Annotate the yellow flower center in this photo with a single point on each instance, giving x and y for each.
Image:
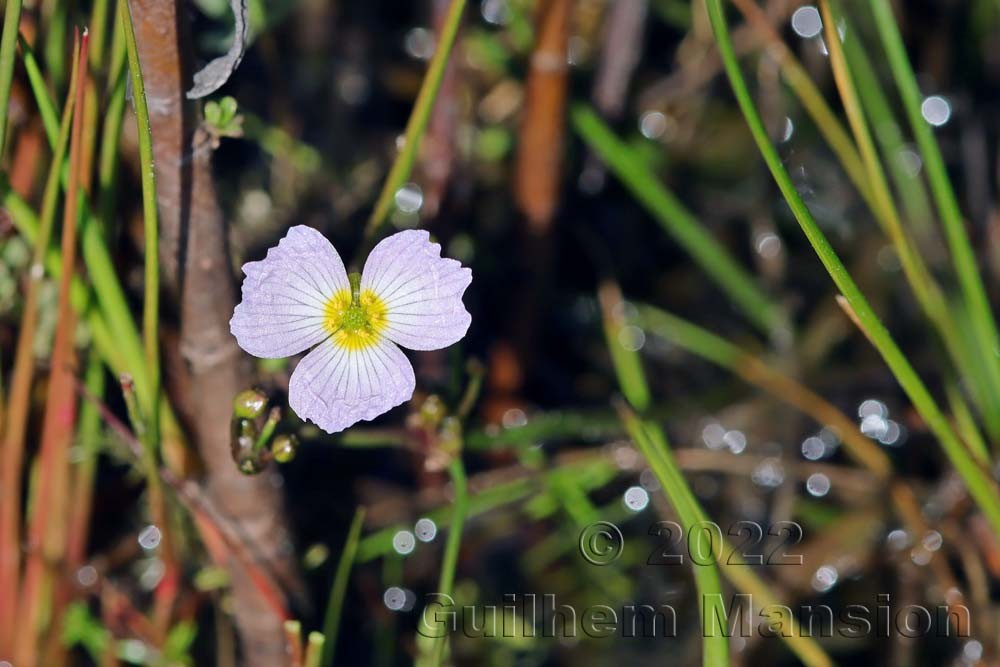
(355, 321)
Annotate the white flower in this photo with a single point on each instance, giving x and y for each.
(300, 296)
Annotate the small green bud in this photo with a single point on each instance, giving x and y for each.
(243, 435)
(284, 448)
(432, 411)
(249, 404)
(213, 113)
(228, 108)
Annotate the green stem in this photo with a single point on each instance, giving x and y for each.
(962, 255)
(980, 485)
(315, 650)
(151, 296)
(446, 583)
(107, 287)
(810, 97)
(46, 108)
(335, 606)
(915, 270)
(628, 369)
(8, 48)
(107, 163)
(715, 647)
(887, 132)
(925, 288)
(419, 117)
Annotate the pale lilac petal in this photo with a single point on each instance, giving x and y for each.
(335, 387)
(421, 290)
(284, 295)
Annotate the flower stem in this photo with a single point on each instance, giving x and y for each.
(335, 605)
(446, 583)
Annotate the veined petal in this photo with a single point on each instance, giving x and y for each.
(421, 291)
(335, 386)
(285, 294)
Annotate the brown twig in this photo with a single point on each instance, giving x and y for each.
(196, 273)
(539, 157)
(206, 515)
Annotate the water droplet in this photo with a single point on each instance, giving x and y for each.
(893, 433)
(653, 124)
(874, 426)
(496, 12)
(973, 650)
(514, 418)
(636, 498)
(932, 541)
(769, 473)
(419, 43)
(425, 529)
(872, 407)
(898, 539)
(768, 245)
(813, 448)
(625, 457)
(409, 198)
(632, 338)
(149, 537)
(830, 439)
(936, 110)
(735, 441)
(133, 650)
(86, 576)
(647, 478)
(789, 130)
(920, 556)
(403, 542)
(818, 484)
(152, 575)
(394, 598)
(714, 435)
(825, 578)
(806, 22)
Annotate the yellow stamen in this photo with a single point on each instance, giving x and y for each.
(355, 323)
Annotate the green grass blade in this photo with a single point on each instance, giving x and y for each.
(980, 484)
(335, 606)
(962, 255)
(446, 582)
(8, 49)
(631, 379)
(151, 234)
(419, 117)
(46, 109)
(888, 134)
